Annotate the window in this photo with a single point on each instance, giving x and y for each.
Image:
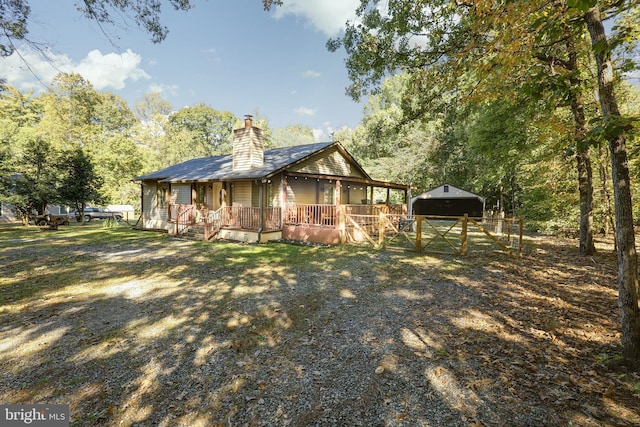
(270, 195)
(200, 194)
(446, 188)
(161, 197)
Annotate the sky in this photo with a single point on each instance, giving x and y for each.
(228, 54)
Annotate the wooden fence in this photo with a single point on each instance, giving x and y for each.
(435, 234)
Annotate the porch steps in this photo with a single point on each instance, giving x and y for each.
(194, 232)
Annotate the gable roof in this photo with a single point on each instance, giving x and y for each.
(221, 167)
(453, 193)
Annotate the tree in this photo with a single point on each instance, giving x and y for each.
(15, 19)
(18, 114)
(153, 113)
(69, 117)
(198, 131)
(292, 135)
(33, 184)
(484, 49)
(615, 129)
(79, 183)
(152, 106)
(13, 24)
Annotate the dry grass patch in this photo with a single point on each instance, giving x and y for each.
(137, 328)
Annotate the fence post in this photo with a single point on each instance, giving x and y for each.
(463, 235)
(418, 233)
(521, 234)
(381, 228)
(342, 219)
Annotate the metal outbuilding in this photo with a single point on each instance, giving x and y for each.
(447, 200)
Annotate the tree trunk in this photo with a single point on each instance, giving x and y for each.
(625, 237)
(583, 159)
(585, 186)
(608, 223)
(585, 179)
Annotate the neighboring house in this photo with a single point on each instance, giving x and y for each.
(7, 213)
(297, 193)
(447, 200)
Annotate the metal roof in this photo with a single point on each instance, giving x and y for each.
(221, 167)
(452, 193)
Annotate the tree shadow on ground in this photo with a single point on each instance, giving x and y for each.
(155, 331)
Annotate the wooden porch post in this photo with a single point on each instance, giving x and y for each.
(262, 201)
(142, 203)
(167, 200)
(407, 208)
(340, 213)
(283, 211)
(338, 203)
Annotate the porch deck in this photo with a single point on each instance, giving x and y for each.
(320, 223)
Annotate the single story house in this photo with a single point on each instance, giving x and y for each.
(447, 200)
(256, 195)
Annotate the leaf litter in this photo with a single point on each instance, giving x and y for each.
(186, 334)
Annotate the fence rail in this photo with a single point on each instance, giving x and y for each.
(436, 233)
(378, 224)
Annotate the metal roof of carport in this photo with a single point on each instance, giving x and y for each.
(452, 193)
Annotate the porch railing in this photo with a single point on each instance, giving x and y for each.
(375, 209)
(313, 215)
(248, 218)
(183, 215)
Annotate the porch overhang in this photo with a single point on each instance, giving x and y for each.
(359, 180)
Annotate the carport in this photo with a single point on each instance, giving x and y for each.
(448, 200)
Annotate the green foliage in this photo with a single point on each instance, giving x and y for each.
(13, 24)
(110, 223)
(79, 183)
(32, 186)
(198, 131)
(15, 17)
(292, 135)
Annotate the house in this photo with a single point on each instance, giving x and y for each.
(256, 195)
(7, 213)
(447, 200)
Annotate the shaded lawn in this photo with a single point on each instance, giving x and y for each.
(132, 327)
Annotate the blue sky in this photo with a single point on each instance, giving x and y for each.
(229, 54)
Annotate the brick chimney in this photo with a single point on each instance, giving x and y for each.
(248, 146)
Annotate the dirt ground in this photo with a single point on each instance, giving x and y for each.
(152, 331)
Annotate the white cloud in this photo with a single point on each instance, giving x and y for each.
(164, 89)
(328, 16)
(111, 70)
(311, 74)
(304, 111)
(28, 69)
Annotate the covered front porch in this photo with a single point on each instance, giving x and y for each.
(314, 223)
(289, 206)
